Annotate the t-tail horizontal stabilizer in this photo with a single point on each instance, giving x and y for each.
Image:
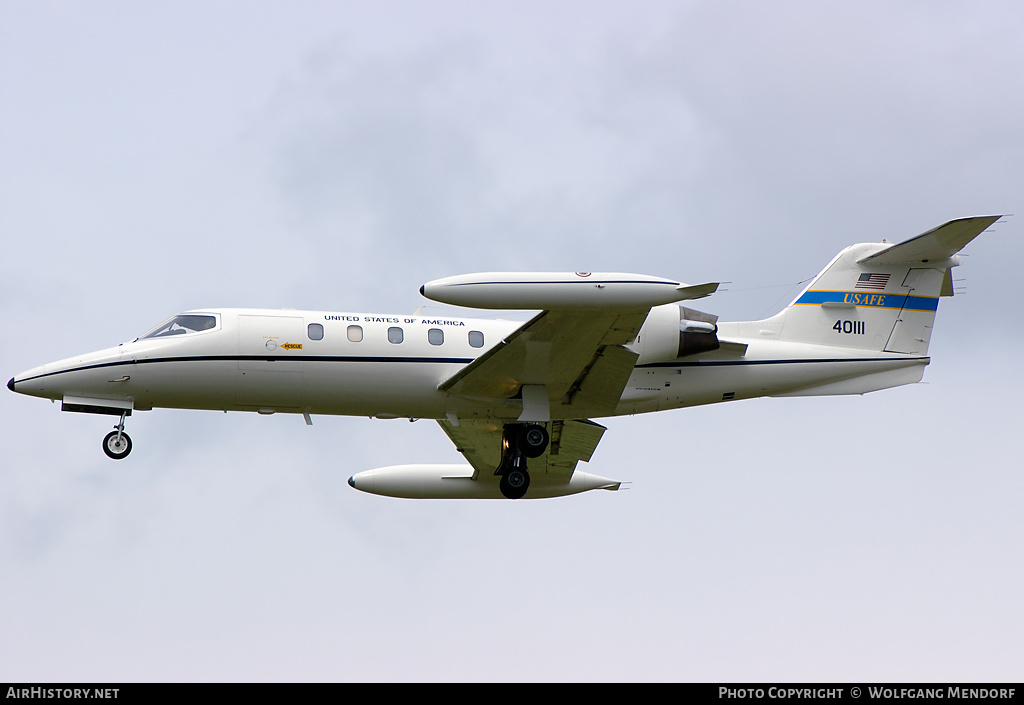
(936, 245)
(880, 298)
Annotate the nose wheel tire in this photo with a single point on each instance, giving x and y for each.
(117, 448)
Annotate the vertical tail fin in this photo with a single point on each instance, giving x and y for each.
(880, 297)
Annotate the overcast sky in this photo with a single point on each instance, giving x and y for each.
(162, 156)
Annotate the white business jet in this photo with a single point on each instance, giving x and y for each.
(517, 398)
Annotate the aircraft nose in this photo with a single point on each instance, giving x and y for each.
(352, 481)
(10, 384)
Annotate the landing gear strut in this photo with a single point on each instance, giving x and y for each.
(519, 442)
(117, 444)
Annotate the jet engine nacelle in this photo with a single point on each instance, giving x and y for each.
(457, 482)
(671, 332)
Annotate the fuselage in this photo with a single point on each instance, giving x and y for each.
(518, 397)
(391, 366)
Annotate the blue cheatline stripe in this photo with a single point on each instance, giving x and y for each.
(870, 299)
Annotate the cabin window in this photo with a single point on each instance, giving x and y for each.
(183, 325)
(395, 335)
(476, 339)
(355, 333)
(435, 336)
(315, 331)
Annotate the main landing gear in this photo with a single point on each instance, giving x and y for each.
(117, 444)
(519, 442)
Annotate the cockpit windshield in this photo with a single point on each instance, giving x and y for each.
(183, 324)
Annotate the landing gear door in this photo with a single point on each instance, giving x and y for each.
(270, 361)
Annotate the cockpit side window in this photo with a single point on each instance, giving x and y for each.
(183, 324)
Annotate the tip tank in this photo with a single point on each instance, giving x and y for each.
(560, 290)
(458, 482)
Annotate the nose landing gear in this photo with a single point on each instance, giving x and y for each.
(117, 444)
(519, 442)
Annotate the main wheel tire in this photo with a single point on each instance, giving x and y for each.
(114, 449)
(534, 441)
(514, 483)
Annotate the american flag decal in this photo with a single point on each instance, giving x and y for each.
(872, 281)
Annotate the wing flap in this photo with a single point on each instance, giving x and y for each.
(571, 441)
(575, 440)
(478, 441)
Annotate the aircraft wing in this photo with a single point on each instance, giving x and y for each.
(567, 360)
(571, 442)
